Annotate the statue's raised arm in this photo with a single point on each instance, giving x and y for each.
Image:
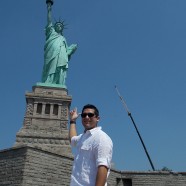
(56, 52)
(49, 11)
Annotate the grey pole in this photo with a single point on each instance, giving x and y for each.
(130, 115)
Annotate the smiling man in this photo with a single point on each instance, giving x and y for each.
(92, 161)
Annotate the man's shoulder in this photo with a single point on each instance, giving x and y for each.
(75, 139)
(101, 131)
(102, 135)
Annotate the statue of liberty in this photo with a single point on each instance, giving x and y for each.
(56, 52)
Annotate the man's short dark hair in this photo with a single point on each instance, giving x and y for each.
(90, 106)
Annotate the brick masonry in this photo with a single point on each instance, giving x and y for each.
(147, 178)
(29, 166)
(26, 166)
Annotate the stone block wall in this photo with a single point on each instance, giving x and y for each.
(12, 166)
(29, 166)
(46, 169)
(147, 178)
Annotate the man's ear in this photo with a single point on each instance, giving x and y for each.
(98, 118)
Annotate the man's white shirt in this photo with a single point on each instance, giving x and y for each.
(94, 148)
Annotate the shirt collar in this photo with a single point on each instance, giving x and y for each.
(92, 131)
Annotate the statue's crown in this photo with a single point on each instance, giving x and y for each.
(61, 23)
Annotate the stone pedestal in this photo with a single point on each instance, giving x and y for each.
(46, 119)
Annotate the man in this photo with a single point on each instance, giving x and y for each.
(57, 52)
(92, 161)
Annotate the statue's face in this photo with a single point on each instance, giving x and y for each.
(59, 28)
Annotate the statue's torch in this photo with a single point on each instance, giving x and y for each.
(51, 2)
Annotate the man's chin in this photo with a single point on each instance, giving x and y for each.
(88, 127)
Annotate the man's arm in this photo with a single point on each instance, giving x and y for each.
(73, 116)
(101, 175)
(72, 131)
(103, 154)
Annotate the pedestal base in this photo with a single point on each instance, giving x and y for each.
(51, 85)
(46, 120)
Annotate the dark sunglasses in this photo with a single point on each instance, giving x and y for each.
(90, 115)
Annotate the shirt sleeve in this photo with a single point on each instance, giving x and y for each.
(74, 140)
(104, 152)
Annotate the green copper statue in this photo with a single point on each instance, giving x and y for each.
(56, 52)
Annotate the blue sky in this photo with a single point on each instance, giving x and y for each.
(140, 46)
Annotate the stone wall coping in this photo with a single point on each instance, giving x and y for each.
(37, 95)
(26, 147)
(158, 172)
